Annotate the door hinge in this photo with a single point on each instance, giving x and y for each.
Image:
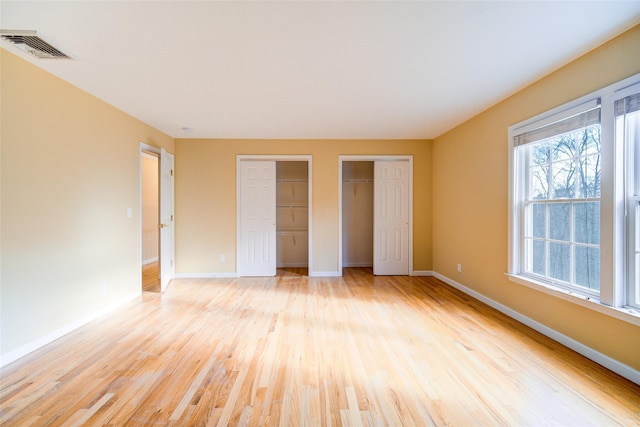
(171, 217)
(171, 263)
(171, 172)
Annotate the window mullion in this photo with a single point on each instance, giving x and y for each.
(612, 240)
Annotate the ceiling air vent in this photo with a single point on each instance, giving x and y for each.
(33, 43)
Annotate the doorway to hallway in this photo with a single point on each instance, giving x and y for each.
(156, 226)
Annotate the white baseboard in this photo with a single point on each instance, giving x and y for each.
(149, 261)
(588, 352)
(426, 273)
(34, 345)
(224, 275)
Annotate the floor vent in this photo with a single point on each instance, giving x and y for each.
(33, 43)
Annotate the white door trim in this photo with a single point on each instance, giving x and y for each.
(277, 158)
(374, 158)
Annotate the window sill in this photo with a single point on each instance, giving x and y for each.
(626, 314)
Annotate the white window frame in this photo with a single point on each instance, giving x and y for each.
(632, 209)
(613, 244)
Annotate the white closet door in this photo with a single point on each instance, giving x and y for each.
(257, 218)
(391, 218)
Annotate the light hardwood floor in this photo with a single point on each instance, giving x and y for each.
(292, 350)
(150, 278)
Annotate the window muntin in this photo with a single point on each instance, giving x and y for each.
(562, 208)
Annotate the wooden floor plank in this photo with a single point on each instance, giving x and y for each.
(293, 350)
(151, 277)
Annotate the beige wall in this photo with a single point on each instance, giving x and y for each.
(69, 172)
(206, 198)
(470, 200)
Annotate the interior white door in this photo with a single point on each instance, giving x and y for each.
(257, 254)
(167, 268)
(391, 218)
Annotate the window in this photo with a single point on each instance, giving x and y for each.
(575, 200)
(627, 111)
(562, 202)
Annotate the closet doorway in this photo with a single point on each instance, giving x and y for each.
(274, 214)
(292, 215)
(376, 213)
(357, 214)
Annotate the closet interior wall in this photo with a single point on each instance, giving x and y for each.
(357, 213)
(292, 214)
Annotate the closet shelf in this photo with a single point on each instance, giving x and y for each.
(292, 206)
(291, 232)
(292, 180)
(357, 181)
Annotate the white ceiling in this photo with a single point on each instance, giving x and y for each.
(305, 69)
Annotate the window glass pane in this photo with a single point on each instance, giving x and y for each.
(559, 221)
(538, 220)
(589, 176)
(587, 267)
(633, 133)
(586, 222)
(563, 179)
(540, 153)
(636, 238)
(539, 256)
(559, 256)
(588, 141)
(536, 261)
(539, 182)
(637, 281)
(564, 147)
(625, 126)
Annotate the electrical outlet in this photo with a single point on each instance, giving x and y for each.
(459, 268)
(103, 287)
